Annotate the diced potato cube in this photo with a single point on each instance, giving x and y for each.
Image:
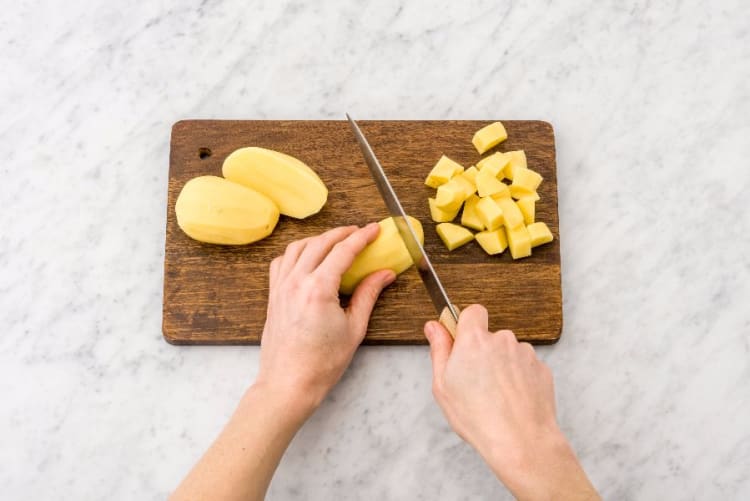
(528, 209)
(527, 179)
(518, 193)
(488, 184)
(503, 193)
(444, 170)
(519, 241)
(466, 185)
(469, 217)
(453, 235)
(452, 194)
(489, 136)
(517, 161)
(496, 162)
(439, 215)
(490, 214)
(539, 234)
(512, 216)
(470, 175)
(493, 242)
(523, 195)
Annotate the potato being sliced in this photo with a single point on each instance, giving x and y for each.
(453, 235)
(493, 242)
(386, 251)
(539, 234)
(489, 136)
(469, 217)
(442, 172)
(439, 215)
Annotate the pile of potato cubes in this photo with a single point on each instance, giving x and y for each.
(503, 214)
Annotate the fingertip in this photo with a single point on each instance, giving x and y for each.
(388, 276)
(429, 330)
(473, 309)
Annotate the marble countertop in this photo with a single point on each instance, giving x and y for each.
(651, 108)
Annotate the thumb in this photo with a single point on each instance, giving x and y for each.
(364, 297)
(441, 345)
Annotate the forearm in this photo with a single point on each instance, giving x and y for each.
(241, 462)
(546, 470)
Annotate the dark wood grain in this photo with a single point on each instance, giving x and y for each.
(217, 295)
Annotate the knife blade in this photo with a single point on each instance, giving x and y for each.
(447, 311)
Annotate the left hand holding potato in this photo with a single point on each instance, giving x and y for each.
(308, 342)
(309, 339)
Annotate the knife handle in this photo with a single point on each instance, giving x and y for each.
(448, 321)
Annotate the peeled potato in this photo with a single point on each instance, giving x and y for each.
(293, 186)
(386, 251)
(216, 211)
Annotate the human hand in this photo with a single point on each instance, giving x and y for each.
(500, 399)
(309, 339)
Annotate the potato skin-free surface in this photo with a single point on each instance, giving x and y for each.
(213, 210)
(294, 187)
(386, 251)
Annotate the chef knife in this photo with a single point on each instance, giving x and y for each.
(447, 311)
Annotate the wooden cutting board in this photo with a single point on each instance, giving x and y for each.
(217, 295)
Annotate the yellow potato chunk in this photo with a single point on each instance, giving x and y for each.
(527, 208)
(517, 161)
(470, 175)
(216, 211)
(518, 193)
(496, 162)
(469, 217)
(493, 242)
(490, 214)
(453, 235)
(512, 215)
(489, 136)
(488, 184)
(527, 179)
(519, 241)
(539, 234)
(522, 195)
(386, 251)
(439, 215)
(442, 172)
(503, 193)
(452, 194)
(293, 186)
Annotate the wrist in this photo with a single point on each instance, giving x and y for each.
(289, 402)
(539, 468)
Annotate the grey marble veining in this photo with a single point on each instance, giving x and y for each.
(650, 103)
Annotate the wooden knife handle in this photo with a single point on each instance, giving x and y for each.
(447, 320)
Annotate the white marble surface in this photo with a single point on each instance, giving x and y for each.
(651, 106)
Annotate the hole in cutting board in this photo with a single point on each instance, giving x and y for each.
(204, 152)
